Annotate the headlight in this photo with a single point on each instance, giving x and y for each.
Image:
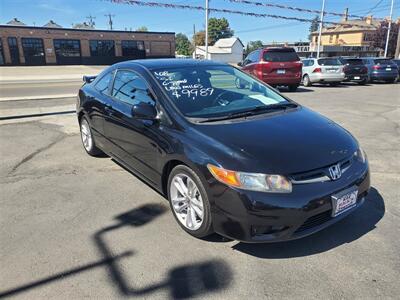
(252, 181)
(360, 155)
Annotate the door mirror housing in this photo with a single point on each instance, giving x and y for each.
(240, 64)
(144, 111)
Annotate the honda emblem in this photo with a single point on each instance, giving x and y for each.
(335, 172)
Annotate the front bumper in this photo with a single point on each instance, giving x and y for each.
(261, 217)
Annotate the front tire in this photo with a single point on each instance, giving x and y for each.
(87, 138)
(189, 202)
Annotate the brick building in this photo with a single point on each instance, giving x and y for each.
(25, 45)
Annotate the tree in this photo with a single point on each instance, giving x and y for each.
(253, 45)
(313, 27)
(183, 45)
(142, 28)
(218, 29)
(199, 38)
(378, 39)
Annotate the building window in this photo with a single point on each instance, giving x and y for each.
(1, 53)
(330, 38)
(14, 51)
(69, 48)
(130, 48)
(33, 46)
(102, 48)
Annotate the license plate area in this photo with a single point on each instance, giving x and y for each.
(280, 71)
(356, 77)
(388, 69)
(343, 201)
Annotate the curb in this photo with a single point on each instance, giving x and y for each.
(40, 97)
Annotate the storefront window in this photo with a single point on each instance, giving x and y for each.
(68, 48)
(102, 48)
(130, 48)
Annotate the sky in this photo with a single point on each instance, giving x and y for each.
(66, 12)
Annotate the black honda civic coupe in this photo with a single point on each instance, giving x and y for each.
(231, 154)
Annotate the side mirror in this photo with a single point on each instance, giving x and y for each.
(240, 64)
(88, 79)
(144, 111)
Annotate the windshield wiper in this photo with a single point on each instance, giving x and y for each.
(252, 111)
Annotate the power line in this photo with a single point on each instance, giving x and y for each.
(218, 10)
(376, 5)
(292, 8)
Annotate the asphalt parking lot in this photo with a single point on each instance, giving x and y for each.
(74, 226)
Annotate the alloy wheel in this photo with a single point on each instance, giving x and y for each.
(186, 201)
(86, 135)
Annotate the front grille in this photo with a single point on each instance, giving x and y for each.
(321, 174)
(315, 221)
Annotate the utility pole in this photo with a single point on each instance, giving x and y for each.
(194, 40)
(91, 18)
(110, 21)
(206, 38)
(320, 28)
(388, 31)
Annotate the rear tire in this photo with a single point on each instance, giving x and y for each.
(334, 83)
(87, 138)
(306, 81)
(189, 202)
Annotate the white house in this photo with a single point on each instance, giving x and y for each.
(228, 50)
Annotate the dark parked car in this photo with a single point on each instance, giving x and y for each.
(278, 66)
(381, 69)
(397, 62)
(232, 155)
(355, 70)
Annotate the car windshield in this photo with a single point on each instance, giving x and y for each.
(216, 91)
(353, 61)
(329, 62)
(280, 56)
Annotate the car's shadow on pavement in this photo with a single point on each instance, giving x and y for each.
(347, 230)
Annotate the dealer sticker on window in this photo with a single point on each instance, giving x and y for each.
(344, 201)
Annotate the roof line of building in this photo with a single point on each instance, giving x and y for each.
(88, 30)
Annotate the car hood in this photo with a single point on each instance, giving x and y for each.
(289, 142)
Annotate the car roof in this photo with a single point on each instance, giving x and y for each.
(152, 64)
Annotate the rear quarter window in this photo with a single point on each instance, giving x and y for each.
(103, 83)
(280, 56)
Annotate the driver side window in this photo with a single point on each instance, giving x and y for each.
(130, 88)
